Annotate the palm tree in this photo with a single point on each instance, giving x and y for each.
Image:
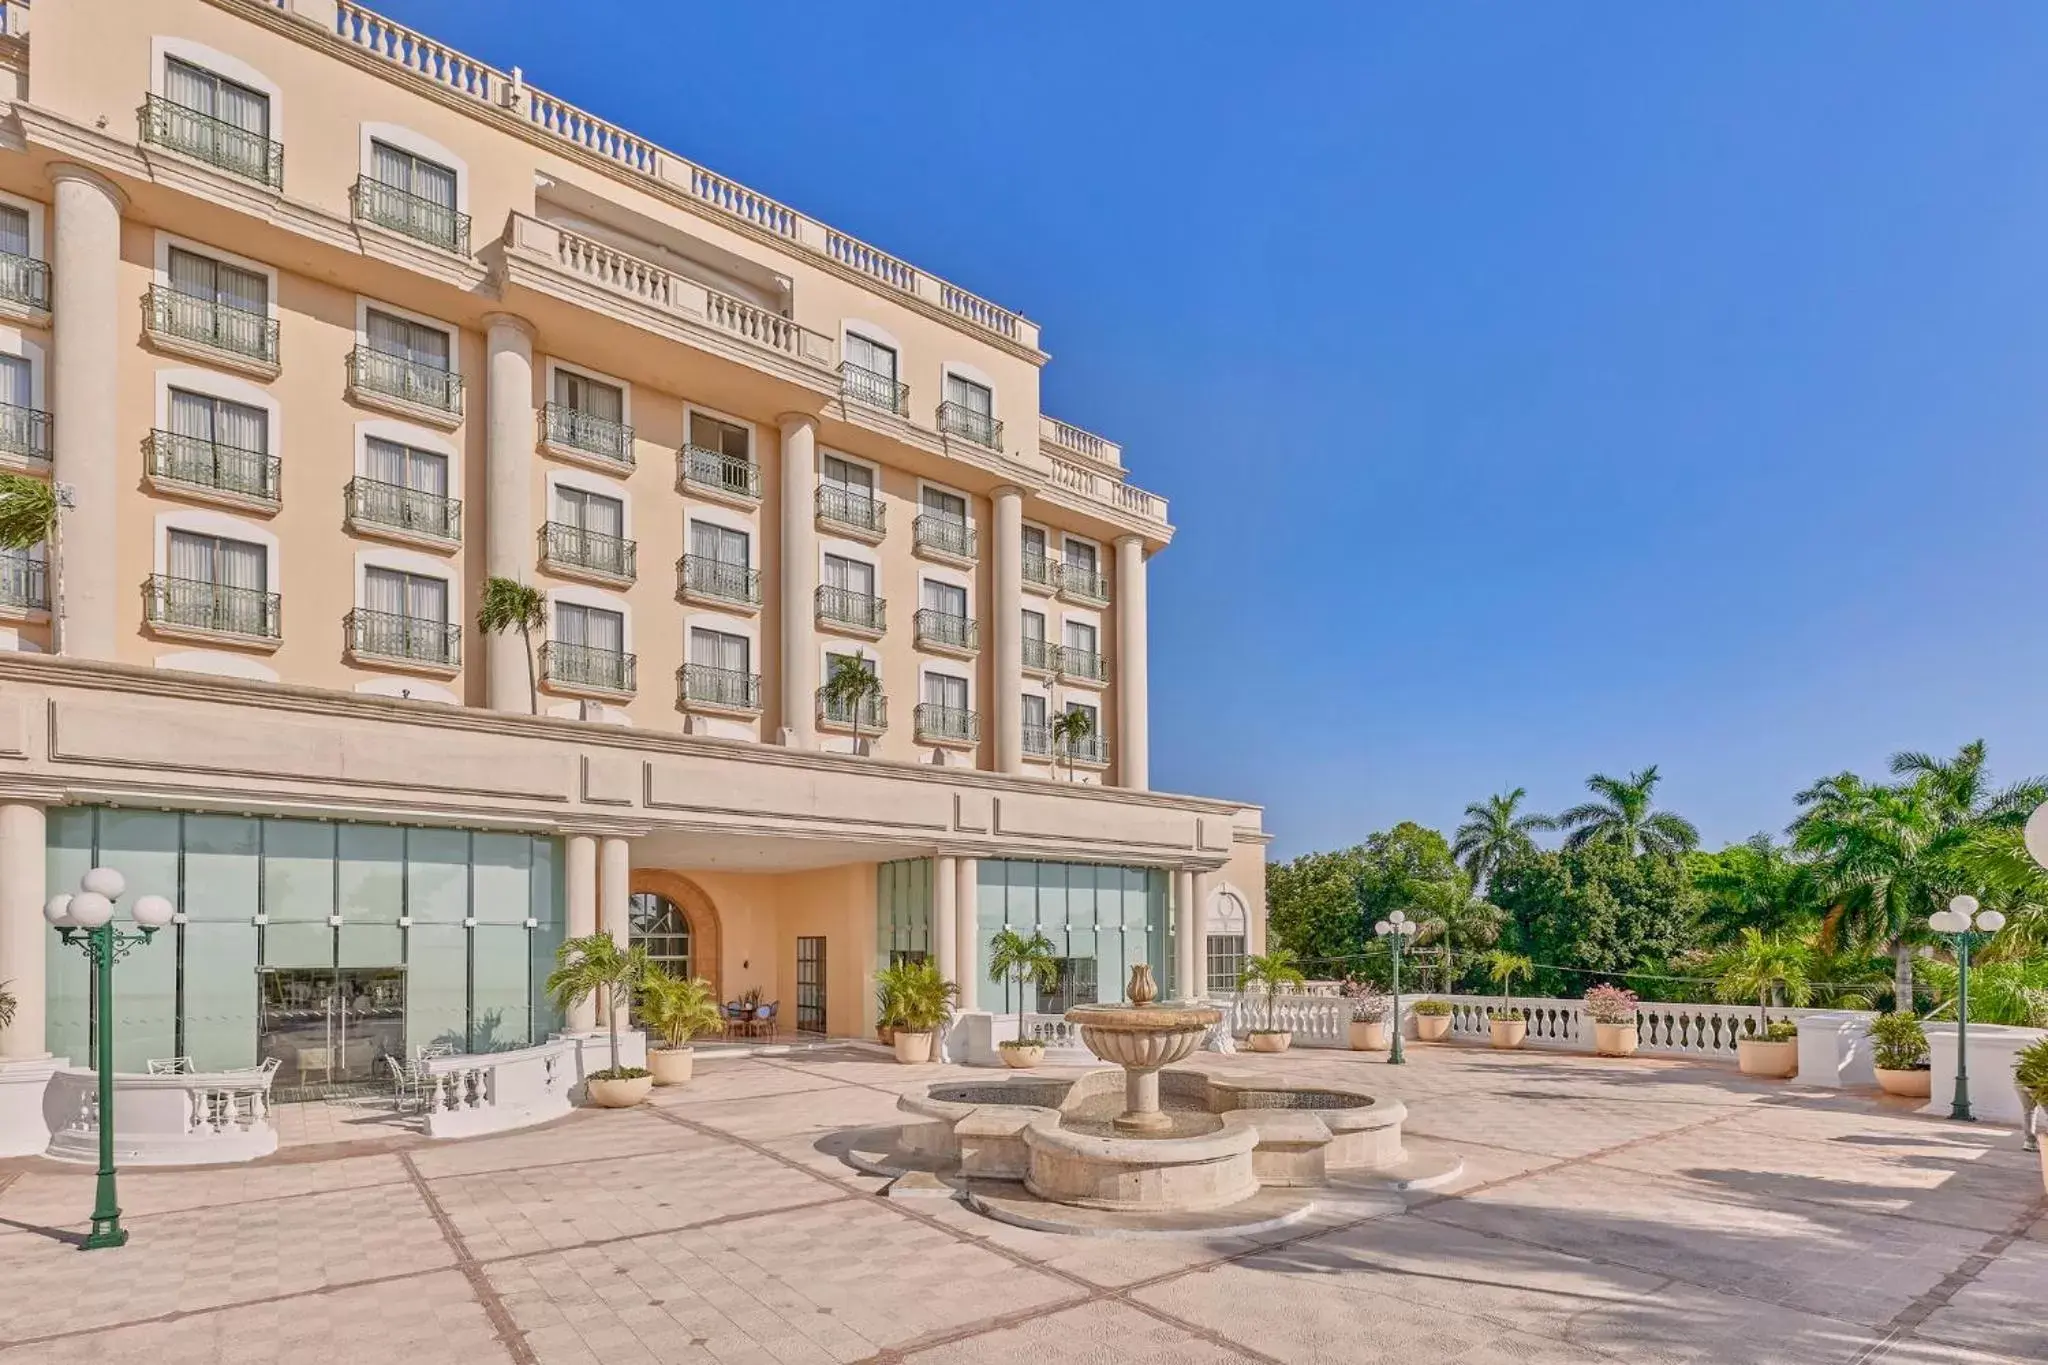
(1506, 969)
(1755, 884)
(1494, 834)
(1069, 730)
(1625, 818)
(509, 604)
(1275, 971)
(1014, 959)
(596, 965)
(2010, 881)
(1759, 966)
(28, 517)
(1451, 914)
(851, 685)
(677, 1008)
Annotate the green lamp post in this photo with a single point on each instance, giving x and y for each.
(1965, 926)
(1397, 929)
(86, 921)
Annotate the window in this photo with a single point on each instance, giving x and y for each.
(1094, 725)
(214, 303)
(217, 97)
(724, 438)
(591, 628)
(1076, 986)
(417, 597)
(850, 576)
(1225, 962)
(407, 467)
(13, 230)
(721, 649)
(401, 170)
(658, 925)
(414, 342)
(591, 513)
(833, 660)
(876, 359)
(1034, 633)
(1080, 637)
(719, 544)
(203, 419)
(1034, 542)
(1036, 739)
(1081, 555)
(945, 690)
(214, 443)
(948, 599)
(946, 506)
(219, 561)
(974, 398)
(17, 382)
(216, 120)
(216, 282)
(857, 481)
(590, 397)
(412, 195)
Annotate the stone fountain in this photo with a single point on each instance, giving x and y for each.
(1142, 1036)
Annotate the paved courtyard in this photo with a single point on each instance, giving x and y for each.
(1645, 1211)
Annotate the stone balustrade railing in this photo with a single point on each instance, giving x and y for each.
(1059, 437)
(189, 1120)
(1314, 1020)
(490, 1092)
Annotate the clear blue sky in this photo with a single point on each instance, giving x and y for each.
(1540, 389)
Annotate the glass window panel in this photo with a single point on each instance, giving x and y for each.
(437, 985)
(503, 879)
(547, 907)
(298, 893)
(502, 1016)
(221, 870)
(372, 880)
(146, 1003)
(220, 988)
(437, 876)
(369, 945)
(13, 229)
(68, 838)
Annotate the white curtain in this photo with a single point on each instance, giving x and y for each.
(423, 471)
(15, 385)
(854, 478)
(947, 505)
(589, 397)
(970, 395)
(210, 559)
(1081, 636)
(218, 421)
(1081, 555)
(852, 575)
(243, 565)
(717, 649)
(384, 591)
(593, 512)
(949, 598)
(592, 628)
(941, 689)
(426, 599)
(390, 166)
(235, 105)
(718, 543)
(871, 356)
(404, 171)
(1034, 626)
(191, 557)
(13, 230)
(1034, 710)
(201, 277)
(421, 345)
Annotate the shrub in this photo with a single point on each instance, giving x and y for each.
(1611, 1005)
(1433, 1008)
(1505, 1014)
(2031, 1074)
(1897, 1042)
(619, 1073)
(1780, 1031)
(1369, 1005)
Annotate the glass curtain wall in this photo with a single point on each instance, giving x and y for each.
(1101, 920)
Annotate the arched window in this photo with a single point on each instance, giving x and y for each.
(657, 923)
(1226, 943)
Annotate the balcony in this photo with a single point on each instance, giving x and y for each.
(1040, 657)
(1037, 740)
(579, 668)
(396, 512)
(577, 434)
(25, 434)
(1083, 666)
(1065, 440)
(571, 550)
(186, 324)
(944, 633)
(406, 641)
(193, 606)
(1090, 751)
(870, 389)
(872, 714)
(850, 513)
(957, 419)
(1040, 573)
(728, 478)
(193, 466)
(951, 725)
(24, 584)
(407, 214)
(945, 539)
(700, 578)
(700, 688)
(1079, 583)
(397, 383)
(851, 613)
(241, 153)
(25, 281)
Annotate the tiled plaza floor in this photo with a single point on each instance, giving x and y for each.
(1639, 1211)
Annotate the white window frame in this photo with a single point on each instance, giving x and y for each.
(725, 519)
(595, 376)
(955, 673)
(161, 267)
(407, 434)
(578, 595)
(364, 303)
(420, 565)
(404, 139)
(214, 384)
(220, 64)
(202, 522)
(952, 578)
(874, 470)
(854, 550)
(35, 209)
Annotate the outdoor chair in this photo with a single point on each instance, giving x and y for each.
(406, 1095)
(170, 1066)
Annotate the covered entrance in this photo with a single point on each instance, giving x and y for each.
(331, 1027)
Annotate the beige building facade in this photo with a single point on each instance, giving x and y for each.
(319, 328)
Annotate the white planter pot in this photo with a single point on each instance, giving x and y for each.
(619, 1094)
(1916, 1083)
(1271, 1040)
(1022, 1056)
(1432, 1028)
(1369, 1035)
(1615, 1040)
(1508, 1033)
(912, 1048)
(1756, 1057)
(672, 1065)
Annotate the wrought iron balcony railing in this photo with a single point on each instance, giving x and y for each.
(1083, 584)
(371, 502)
(945, 536)
(1041, 657)
(859, 610)
(24, 581)
(407, 639)
(195, 604)
(703, 576)
(406, 379)
(405, 212)
(1041, 570)
(25, 432)
(208, 322)
(944, 630)
(731, 475)
(854, 511)
(564, 545)
(1085, 664)
(198, 463)
(873, 713)
(1091, 751)
(946, 724)
(604, 670)
(863, 385)
(25, 280)
(574, 429)
(218, 143)
(731, 689)
(957, 419)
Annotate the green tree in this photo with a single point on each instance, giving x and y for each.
(1754, 885)
(1069, 730)
(1596, 909)
(1495, 833)
(1625, 817)
(511, 605)
(1504, 969)
(594, 965)
(1322, 906)
(1760, 966)
(677, 1008)
(850, 686)
(1452, 918)
(1273, 972)
(1014, 959)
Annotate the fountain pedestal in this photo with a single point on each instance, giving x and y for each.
(1141, 1039)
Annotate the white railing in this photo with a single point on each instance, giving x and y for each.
(1079, 441)
(188, 1120)
(424, 59)
(14, 18)
(1314, 1020)
(491, 1092)
(1103, 488)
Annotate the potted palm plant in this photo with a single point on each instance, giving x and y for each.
(676, 1009)
(1014, 960)
(1432, 1019)
(1898, 1054)
(1369, 1007)
(2031, 1076)
(1613, 1012)
(921, 1002)
(1759, 966)
(1509, 1025)
(1273, 972)
(594, 965)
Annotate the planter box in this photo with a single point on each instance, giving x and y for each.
(1508, 1033)
(672, 1065)
(619, 1094)
(1615, 1040)
(912, 1048)
(1432, 1028)
(1916, 1083)
(1780, 1061)
(1369, 1036)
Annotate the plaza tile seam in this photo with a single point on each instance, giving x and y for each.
(507, 1331)
(1907, 1320)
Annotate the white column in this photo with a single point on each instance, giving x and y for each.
(509, 527)
(1133, 762)
(615, 874)
(1009, 630)
(966, 935)
(22, 930)
(945, 884)
(1197, 926)
(799, 570)
(84, 355)
(1184, 987)
(580, 872)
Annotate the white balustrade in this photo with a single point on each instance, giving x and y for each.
(1079, 441)
(1314, 1020)
(491, 1092)
(184, 1120)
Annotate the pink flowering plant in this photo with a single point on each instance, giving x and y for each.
(1611, 1005)
(1369, 1004)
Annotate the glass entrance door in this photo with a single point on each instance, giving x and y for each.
(810, 985)
(329, 1027)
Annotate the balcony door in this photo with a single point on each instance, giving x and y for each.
(218, 562)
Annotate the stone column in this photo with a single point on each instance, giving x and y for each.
(1133, 762)
(615, 875)
(1198, 933)
(509, 527)
(966, 934)
(1008, 681)
(799, 571)
(580, 872)
(1184, 934)
(945, 883)
(84, 355)
(22, 930)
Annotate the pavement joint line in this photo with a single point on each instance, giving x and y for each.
(1908, 1320)
(502, 1324)
(698, 1226)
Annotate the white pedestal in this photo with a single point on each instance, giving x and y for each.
(24, 1127)
(971, 1039)
(1834, 1049)
(1994, 1052)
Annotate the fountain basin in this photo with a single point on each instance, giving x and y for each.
(1139, 1175)
(1142, 1038)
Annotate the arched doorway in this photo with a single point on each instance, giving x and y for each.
(675, 919)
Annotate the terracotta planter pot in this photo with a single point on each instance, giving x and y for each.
(1508, 1032)
(619, 1094)
(1916, 1083)
(1780, 1061)
(912, 1048)
(1272, 1040)
(1615, 1040)
(672, 1065)
(1432, 1028)
(1369, 1036)
(1022, 1058)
